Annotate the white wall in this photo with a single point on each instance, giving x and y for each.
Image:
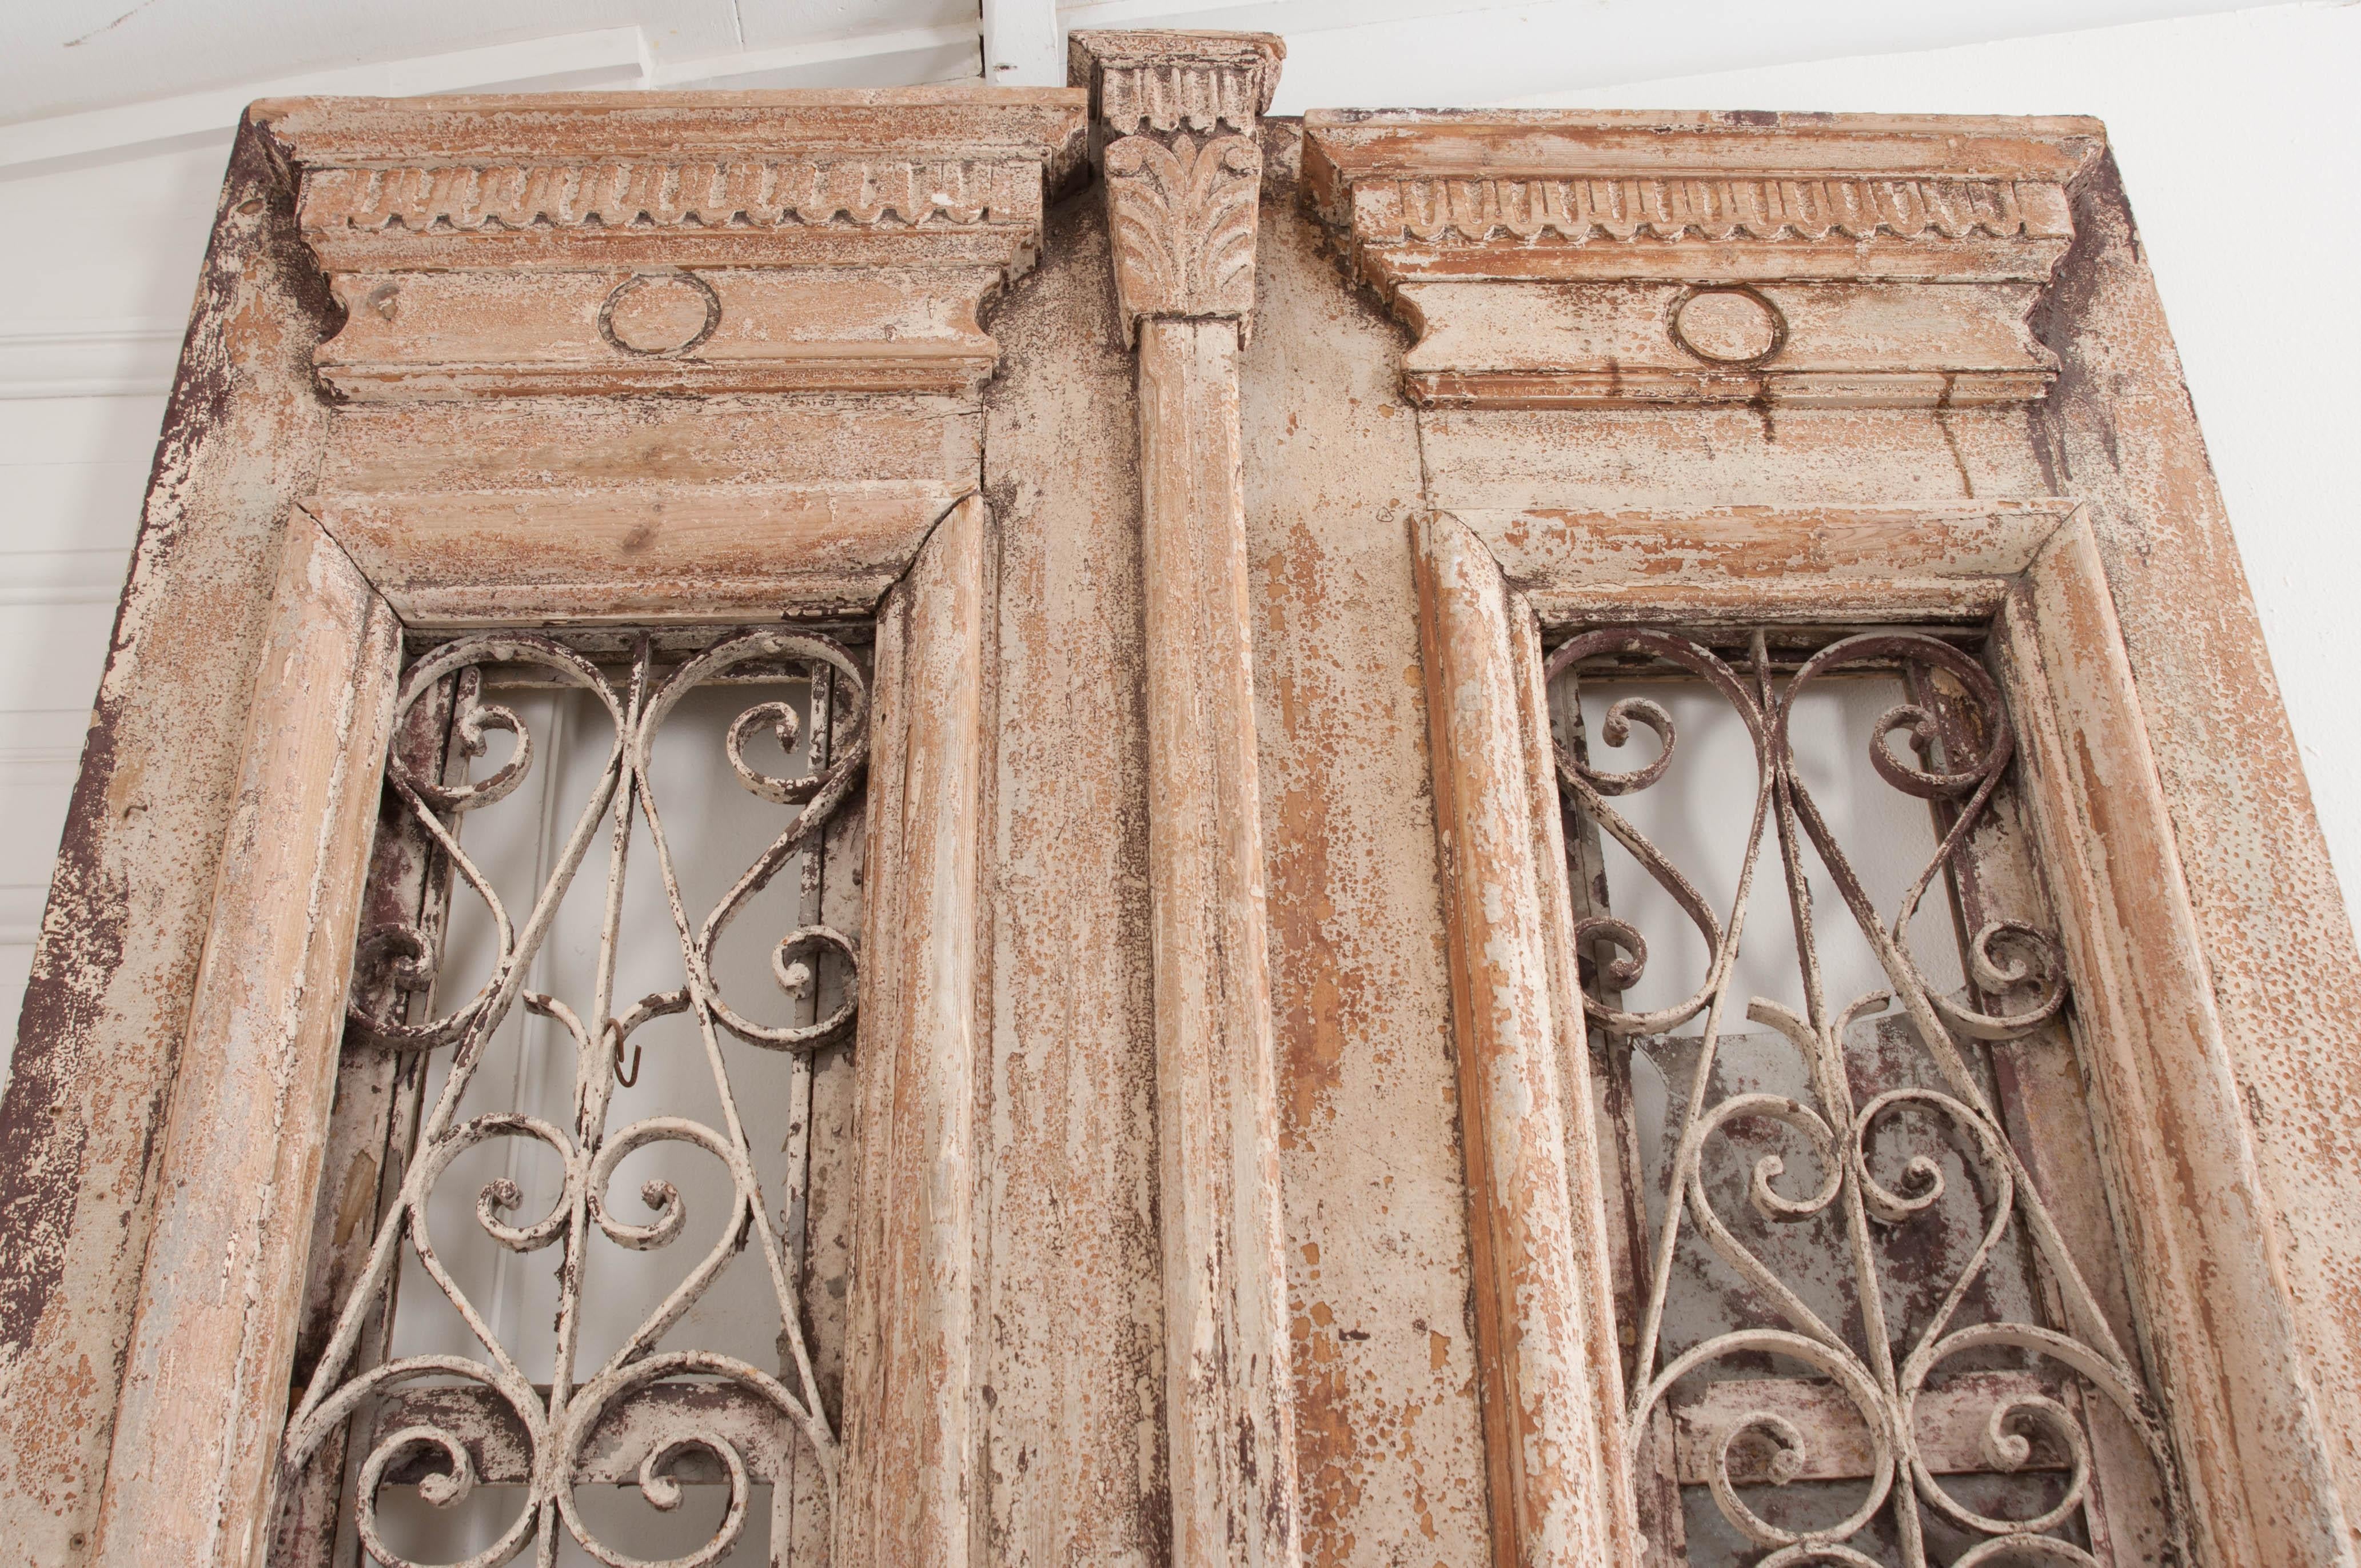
(95, 290)
(2236, 140)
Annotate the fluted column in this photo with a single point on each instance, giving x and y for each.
(1174, 127)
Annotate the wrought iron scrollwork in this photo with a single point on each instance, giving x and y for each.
(1881, 1372)
(557, 1421)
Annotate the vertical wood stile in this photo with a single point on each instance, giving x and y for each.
(1175, 117)
(372, 1131)
(83, 1117)
(2275, 926)
(206, 1381)
(1536, 1220)
(2207, 1274)
(908, 1486)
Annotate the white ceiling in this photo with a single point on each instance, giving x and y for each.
(61, 58)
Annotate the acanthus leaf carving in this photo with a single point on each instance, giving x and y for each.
(1173, 124)
(1183, 216)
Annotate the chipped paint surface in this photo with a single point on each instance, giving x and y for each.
(1073, 1448)
(2278, 940)
(80, 1131)
(1391, 1451)
(1085, 1074)
(205, 1389)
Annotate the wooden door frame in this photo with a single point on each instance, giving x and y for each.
(2220, 1330)
(402, 386)
(205, 1383)
(423, 503)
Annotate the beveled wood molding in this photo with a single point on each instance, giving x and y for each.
(2221, 1328)
(1764, 565)
(699, 242)
(204, 1378)
(1543, 1300)
(641, 510)
(911, 1418)
(448, 562)
(82, 1120)
(1555, 258)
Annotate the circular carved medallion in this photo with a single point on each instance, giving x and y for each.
(1728, 325)
(660, 313)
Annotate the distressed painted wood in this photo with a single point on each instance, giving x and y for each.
(372, 1126)
(1071, 1314)
(2121, 434)
(513, 270)
(635, 510)
(1231, 1450)
(456, 334)
(908, 1485)
(706, 242)
(1389, 1439)
(638, 560)
(1191, 1223)
(1523, 478)
(1175, 116)
(206, 1372)
(1544, 1318)
(81, 1128)
(1760, 563)
(2206, 1270)
(1623, 260)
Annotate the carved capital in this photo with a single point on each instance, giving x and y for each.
(1173, 122)
(676, 243)
(1552, 258)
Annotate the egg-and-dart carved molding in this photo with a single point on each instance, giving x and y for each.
(1164, 82)
(1578, 211)
(761, 193)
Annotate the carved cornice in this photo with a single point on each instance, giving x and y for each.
(1618, 258)
(1152, 79)
(1173, 120)
(693, 242)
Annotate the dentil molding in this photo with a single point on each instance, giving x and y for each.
(1550, 258)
